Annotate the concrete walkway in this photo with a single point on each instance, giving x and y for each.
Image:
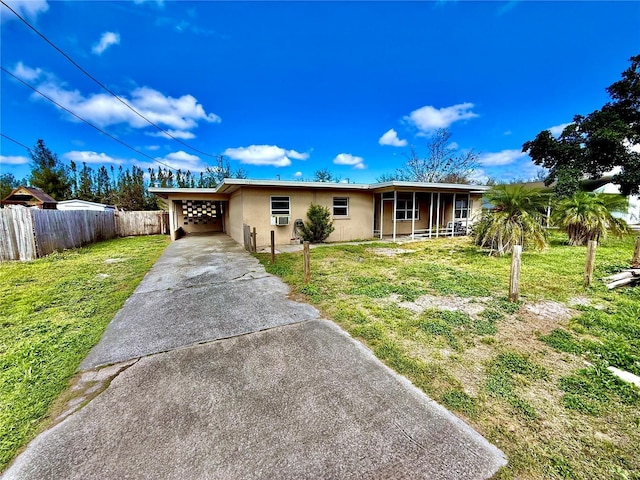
(218, 375)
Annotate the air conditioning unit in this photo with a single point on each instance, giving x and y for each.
(280, 220)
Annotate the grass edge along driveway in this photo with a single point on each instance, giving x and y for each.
(435, 311)
(53, 310)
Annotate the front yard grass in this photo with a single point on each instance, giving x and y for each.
(52, 311)
(531, 377)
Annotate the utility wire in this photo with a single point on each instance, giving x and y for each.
(14, 141)
(107, 89)
(85, 121)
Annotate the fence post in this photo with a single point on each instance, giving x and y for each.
(307, 263)
(591, 260)
(273, 247)
(514, 279)
(635, 261)
(254, 239)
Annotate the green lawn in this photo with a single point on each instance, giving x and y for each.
(52, 311)
(438, 314)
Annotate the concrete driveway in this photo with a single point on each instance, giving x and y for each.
(218, 375)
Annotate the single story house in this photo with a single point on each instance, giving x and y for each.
(30, 197)
(605, 185)
(77, 204)
(359, 211)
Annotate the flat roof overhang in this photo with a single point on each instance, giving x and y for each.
(195, 193)
(230, 185)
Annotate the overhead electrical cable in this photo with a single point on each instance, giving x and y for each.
(14, 141)
(85, 121)
(107, 89)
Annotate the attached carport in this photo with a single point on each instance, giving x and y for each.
(195, 210)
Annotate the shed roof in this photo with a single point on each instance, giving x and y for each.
(36, 193)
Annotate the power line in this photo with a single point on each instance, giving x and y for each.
(14, 141)
(107, 89)
(85, 121)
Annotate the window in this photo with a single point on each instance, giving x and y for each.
(340, 206)
(280, 206)
(405, 210)
(462, 208)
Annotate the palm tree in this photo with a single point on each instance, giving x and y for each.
(515, 219)
(588, 216)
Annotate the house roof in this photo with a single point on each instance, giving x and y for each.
(36, 193)
(230, 185)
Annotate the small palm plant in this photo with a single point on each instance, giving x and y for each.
(516, 219)
(588, 216)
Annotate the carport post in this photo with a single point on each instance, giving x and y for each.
(273, 247)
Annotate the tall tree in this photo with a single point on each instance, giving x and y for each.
(597, 143)
(7, 183)
(443, 163)
(213, 176)
(48, 173)
(324, 175)
(86, 186)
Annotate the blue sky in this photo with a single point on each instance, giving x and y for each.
(287, 88)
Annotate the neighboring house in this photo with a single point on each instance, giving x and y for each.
(29, 197)
(358, 211)
(604, 185)
(77, 204)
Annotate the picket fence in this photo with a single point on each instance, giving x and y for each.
(30, 233)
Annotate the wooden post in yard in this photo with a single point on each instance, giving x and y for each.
(273, 247)
(635, 261)
(514, 279)
(307, 263)
(591, 261)
(254, 240)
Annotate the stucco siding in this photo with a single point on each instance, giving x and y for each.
(235, 215)
(257, 213)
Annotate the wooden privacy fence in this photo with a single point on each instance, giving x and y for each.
(28, 233)
(141, 223)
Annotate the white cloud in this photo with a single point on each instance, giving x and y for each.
(557, 129)
(505, 157)
(391, 138)
(183, 134)
(13, 160)
(348, 159)
(80, 156)
(429, 118)
(178, 161)
(297, 155)
(297, 174)
(181, 115)
(107, 39)
(453, 146)
(26, 73)
(25, 8)
(262, 155)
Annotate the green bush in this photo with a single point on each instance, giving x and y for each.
(319, 224)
